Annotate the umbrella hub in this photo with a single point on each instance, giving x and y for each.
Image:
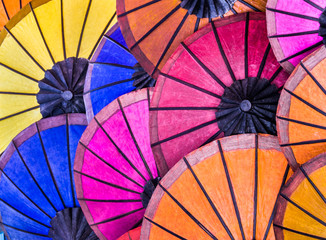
(248, 106)
(141, 78)
(149, 190)
(207, 8)
(322, 26)
(61, 89)
(70, 223)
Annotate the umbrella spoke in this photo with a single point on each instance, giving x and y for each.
(63, 31)
(113, 200)
(18, 113)
(108, 85)
(313, 78)
(5, 8)
(302, 51)
(212, 137)
(298, 232)
(293, 14)
(197, 24)
(294, 34)
(138, 8)
(24, 231)
(246, 46)
(19, 93)
(263, 61)
(302, 123)
(277, 72)
(314, 5)
(18, 72)
(249, 5)
(117, 43)
(255, 188)
(114, 65)
(182, 108)
(303, 143)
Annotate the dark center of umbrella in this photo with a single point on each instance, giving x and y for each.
(70, 223)
(149, 190)
(141, 78)
(322, 26)
(207, 8)
(248, 106)
(61, 89)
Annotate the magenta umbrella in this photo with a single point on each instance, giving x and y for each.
(114, 170)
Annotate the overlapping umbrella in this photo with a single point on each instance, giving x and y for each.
(115, 170)
(8, 9)
(37, 192)
(133, 234)
(295, 29)
(222, 80)
(224, 190)
(154, 29)
(43, 59)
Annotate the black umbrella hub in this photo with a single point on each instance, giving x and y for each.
(248, 106)
(149, 189)
(207, 8)
(61, 89)
(322, 26)
(141, 78)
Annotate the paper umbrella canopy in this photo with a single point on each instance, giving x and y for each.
(115, 172)
(223, 80)
(37, 193)
(300, 211)
(43, 59)
(154, 29)
(224, 190)
(295, 29)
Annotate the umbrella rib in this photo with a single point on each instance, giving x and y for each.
(107, 183)
(293, 34)
(25, 215)
(165, 229)
(193, 218)
(20, 73)
(313, 78)
(208, 198)
(134, 139)
(5, 8)
(203, 66)
(298, 232)
(246, 46)
(184, 132)
(274, 208)
(102, 34)
(256, 188)
(39, 28)
(225, 59)
(48, 164)
(148, 98)
(191, 85)
(83, 28)
(63, 31)
(24, 231)
(197, 24)
(108, 85)
(117, 43)
(302, 123)
(117, 217)
(113, 200)
(24, 49)
(302, 209)
(32, 176)
(18, 113)
(19, 93)
(212, 137)
(293, 14)
(233, 11)
(314, 5)
(231, 188)
(155, 26)
(108, 164)
(249, 5)
(277, 72)
(119, 150)
(303, 143)
(263, 62)
(170, 42)
(182, 108)
(114, 65)
(20, 4)
(138, 8)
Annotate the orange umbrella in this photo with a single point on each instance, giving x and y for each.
(224, 190)
(300, 209)
(9, 8)
(133, 234)
(153, 29)
(301, 114)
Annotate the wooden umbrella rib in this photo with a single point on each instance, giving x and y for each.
(314, 5)
(164, 229)
(302, 123)
(293, 14)
(63, 31)
(24, 231)
(313, 78)
(20, 4)
(303, 51)
(233, 11)
(263, 61)
(197, 24)
(119, 150)
(249, 5)
(108, 200)
(246, 46)
(113, 65)
(208, 198)
(108, 85)
(293, 34)
(212, 137)
(182, 108)
(303, 143)
(193, 218)
(19, 93)
(277, 72)
(138, 8)
(235, 204)
(5, 8)
(298, 232)
(18, 113)
(18, 72)
(117, 43)
(255, 188)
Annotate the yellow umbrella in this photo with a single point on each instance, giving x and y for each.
(50, 42)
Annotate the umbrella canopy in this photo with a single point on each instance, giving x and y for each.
(115, 170)
(44, 52)
(224, 190)
(154, 29)
(300, 208)
(37, 192)
(301, 120)
(112, 72)
(222, 80)
(131, 235)
(9, 8)
(295, 29)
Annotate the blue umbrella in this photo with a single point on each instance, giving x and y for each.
(37, 193)
(112, 72)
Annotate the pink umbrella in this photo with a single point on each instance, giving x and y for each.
(293, 28)
(115, 172)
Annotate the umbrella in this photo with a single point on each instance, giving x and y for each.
(44, 52)
(222, 80)
(224, 190)
(115, 170)
(301, 121)
(295, 29)
(133, 234)
(154, 29)
(112, 72)
(8, 9)
(300, 208)
(37, 192)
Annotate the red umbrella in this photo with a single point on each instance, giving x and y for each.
(223, 80)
